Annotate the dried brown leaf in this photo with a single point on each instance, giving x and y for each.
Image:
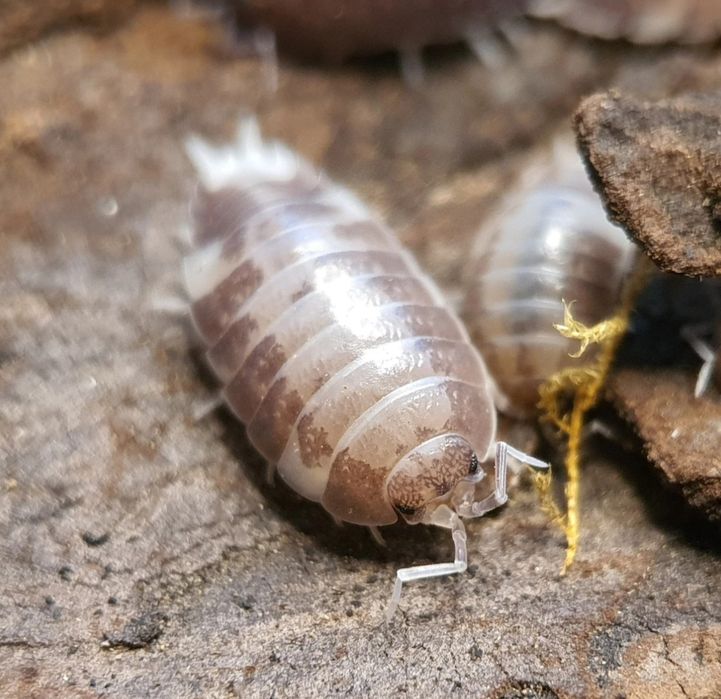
(658, 167)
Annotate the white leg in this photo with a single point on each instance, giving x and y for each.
(499, 496)
(377, 536)
(692, 335)
(202, 410)
(270, 473)
(486, 47)
(459, 564)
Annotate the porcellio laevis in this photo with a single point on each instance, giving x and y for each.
(548, 241)
(334, 30)
(338, 354)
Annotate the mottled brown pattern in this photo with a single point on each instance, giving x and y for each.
(271, 424)
(356, 492)
(312, 440)
(405, 493)
(423, 433)
(305, 289)
(214, 312)
(276, 295)
(251, 383)
(231, 347)
(445, 363)
(427, 474)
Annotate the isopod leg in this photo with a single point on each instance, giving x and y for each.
(203, 409)
(270, 473)
(377, 536)
(499, 495)
(692, 335)
(459, 564)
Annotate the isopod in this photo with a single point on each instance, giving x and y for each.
(334, 30)
(339, 355)
(639, 21)
(548, 241)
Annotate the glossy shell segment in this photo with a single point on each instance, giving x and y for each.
(549, 241)
(336, 352)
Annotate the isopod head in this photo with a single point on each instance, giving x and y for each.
(430, 475)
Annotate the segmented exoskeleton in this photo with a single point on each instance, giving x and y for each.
(338, 354)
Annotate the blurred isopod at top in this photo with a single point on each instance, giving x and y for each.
(639, 21)
(548, 241)
(335, 30)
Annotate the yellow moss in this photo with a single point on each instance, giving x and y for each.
(583, 385)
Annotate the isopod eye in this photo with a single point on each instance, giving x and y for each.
(405, 510)
(473, 466)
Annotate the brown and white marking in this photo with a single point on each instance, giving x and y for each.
(336, 351)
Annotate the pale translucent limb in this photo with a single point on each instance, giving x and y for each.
(692, 335)
(412, 68)
(203, 409)
(377, 536)
(499, 496)
(443, 516)
(486, 47)
(170, 305)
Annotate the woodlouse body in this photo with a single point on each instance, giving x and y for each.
(337, 353)
(549, 241)
(334, 30)
(335, 350)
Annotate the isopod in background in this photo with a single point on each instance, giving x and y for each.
(548, 241)
(337, 353)
(334, 30)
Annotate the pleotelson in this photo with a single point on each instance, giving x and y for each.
(337, 353)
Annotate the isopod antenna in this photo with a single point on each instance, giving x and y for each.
(444, 516)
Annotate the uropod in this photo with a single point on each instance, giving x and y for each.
(353, 378)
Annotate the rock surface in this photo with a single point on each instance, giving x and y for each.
(143, 554)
